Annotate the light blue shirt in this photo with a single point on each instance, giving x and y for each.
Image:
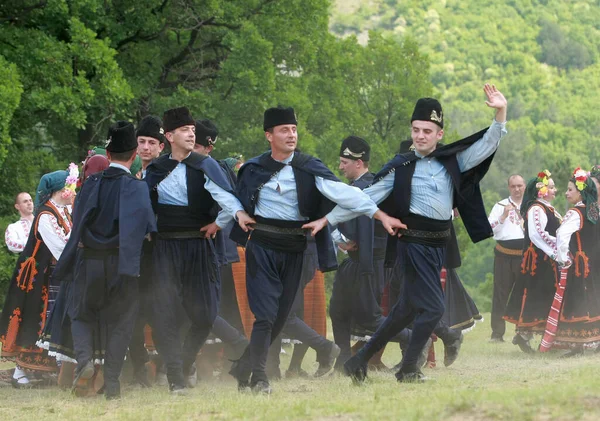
(432, 188)
(123, 167)
(173, 191)
(278, 198)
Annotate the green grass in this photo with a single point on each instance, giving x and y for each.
(488, 382)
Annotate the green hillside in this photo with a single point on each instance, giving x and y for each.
(543, 54)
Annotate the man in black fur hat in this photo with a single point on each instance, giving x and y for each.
(284, 189)
(355, 305)
(112, 214)
(186, 189)
(151, 140)
(439, 178)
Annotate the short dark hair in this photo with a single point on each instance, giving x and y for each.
(122, 156)
(17, 196)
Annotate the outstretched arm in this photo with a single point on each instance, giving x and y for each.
(487, 145)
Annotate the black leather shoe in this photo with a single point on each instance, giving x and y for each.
(327, 361)
(262, 387)
(242, 380)
(356, 369)
(451, 351)
(177, 389)
(523, 344)
(411, 377)
(112, 392)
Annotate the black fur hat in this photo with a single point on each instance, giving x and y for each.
(428, 109)
(355, 148)
(121, 137)
(177, 117)
(151, 126)
(206, 132)
(278, 116)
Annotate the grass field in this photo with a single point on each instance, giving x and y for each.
(488, 382)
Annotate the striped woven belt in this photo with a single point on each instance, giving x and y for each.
(278, 230)
(425, 234)
(510, 252)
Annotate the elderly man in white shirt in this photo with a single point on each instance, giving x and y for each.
(507, 223)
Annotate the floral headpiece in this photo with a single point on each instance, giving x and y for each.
(580, 178)
(71, 181)
(589, 194)
(542, 181)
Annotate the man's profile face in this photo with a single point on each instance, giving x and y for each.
(425, 136)
(183, 137)
(203, 150)
(350, 168)
(24, 204)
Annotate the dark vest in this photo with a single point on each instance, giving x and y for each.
(311, 203)
(201, 209)
(467, 193)
(533, 255)
(584, 246)
(368, 233)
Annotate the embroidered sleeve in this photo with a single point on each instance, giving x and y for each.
(570, 225)
(494, 218)
(13, 240)
(537, 221)
(52, 234)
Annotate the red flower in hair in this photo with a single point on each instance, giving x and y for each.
(541, 175)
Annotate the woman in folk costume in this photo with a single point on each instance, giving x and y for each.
(56, 337)
(30, 295)
(532, 294)
(577, 252)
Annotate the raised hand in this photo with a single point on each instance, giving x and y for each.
(245, 221)
(315, 226)
(496, 100)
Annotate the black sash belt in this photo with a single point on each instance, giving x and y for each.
(179, 235)
(279, 235)
(426, 231)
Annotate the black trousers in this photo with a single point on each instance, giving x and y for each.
(107, 300)
(272, 282)
(506, 271)
(355, 304)
(230, 336)
(296, 328)
(185, 283)
(421, 302)
(137, 349)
